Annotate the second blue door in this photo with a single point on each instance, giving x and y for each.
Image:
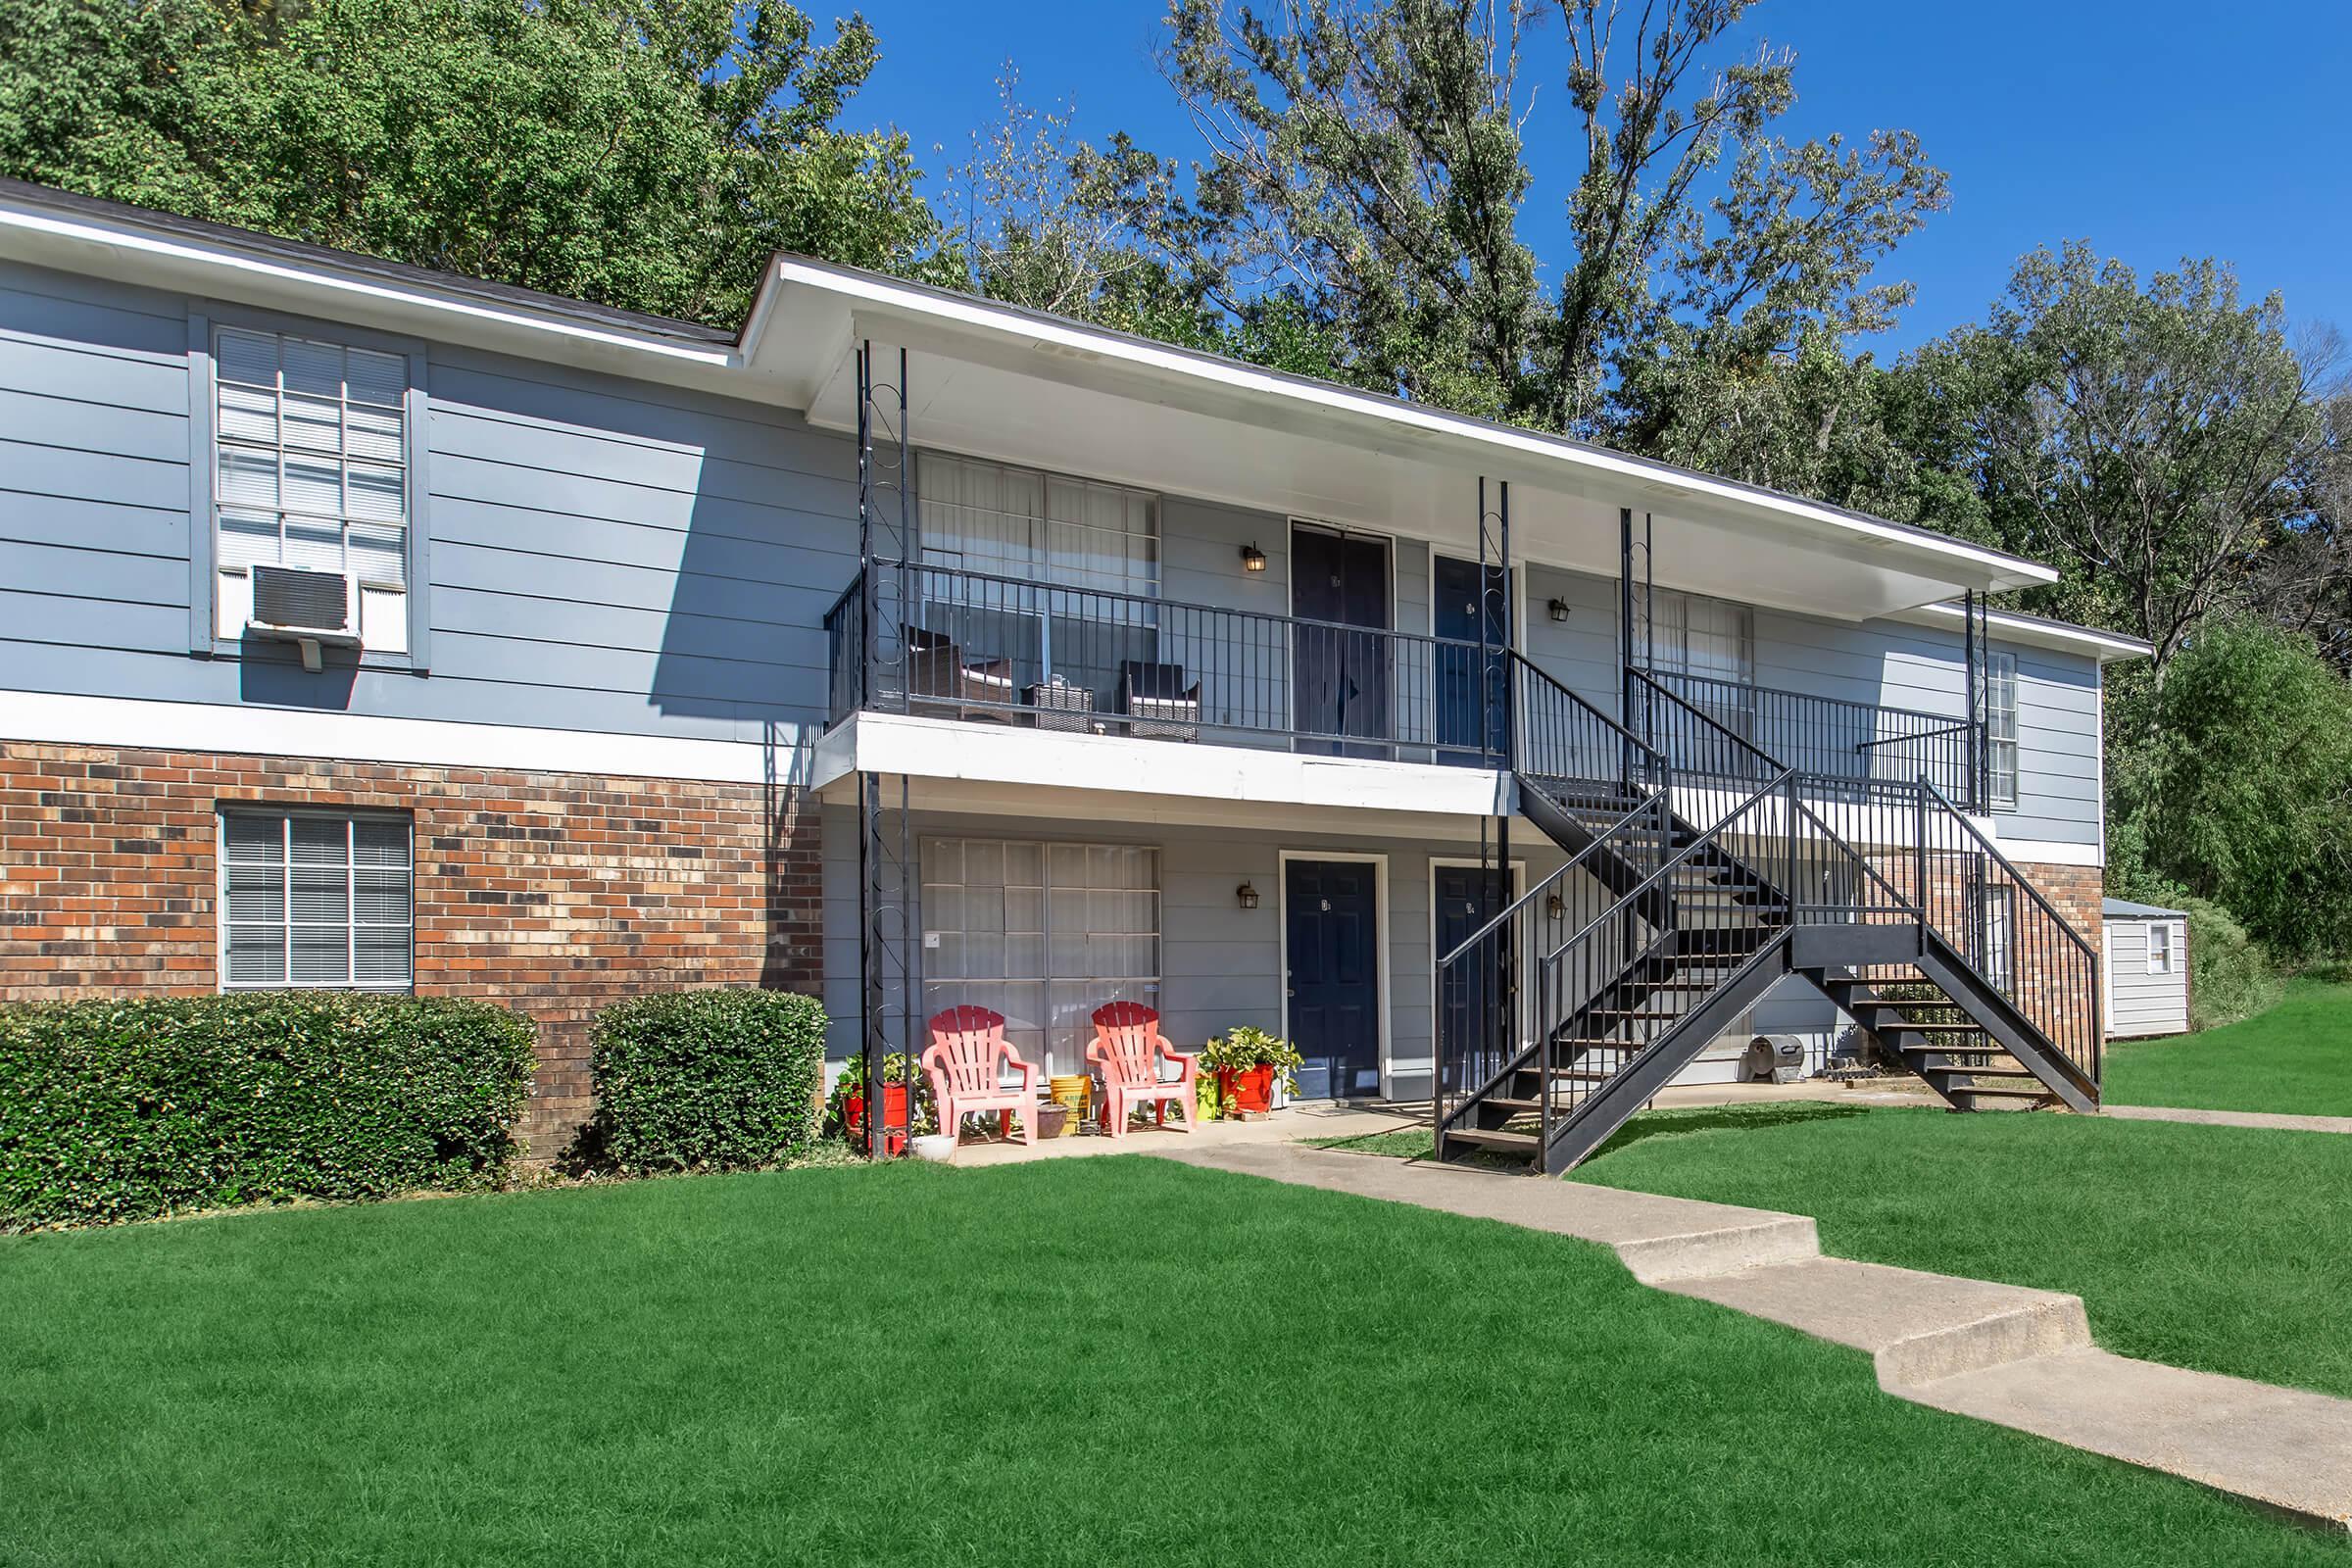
(1331, 932)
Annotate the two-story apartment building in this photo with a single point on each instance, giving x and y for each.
(367, 626)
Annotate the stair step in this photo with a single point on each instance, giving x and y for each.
(1933, 1029)
(1634, 1013)
(1497, 1138)
(2044, 1091)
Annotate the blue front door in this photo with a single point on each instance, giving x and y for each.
(1331, 924)
(1468, 897)
(1468, 605)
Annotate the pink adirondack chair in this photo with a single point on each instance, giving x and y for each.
(1128, 1049)
(966, 1044)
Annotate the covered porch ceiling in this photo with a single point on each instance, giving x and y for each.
(992, 381)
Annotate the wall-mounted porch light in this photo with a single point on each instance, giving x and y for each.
(1554, 905)
(1558, 609)
(1253, 558)
(1247, 896)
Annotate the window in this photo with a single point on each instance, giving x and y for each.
(311, 470)
(1996, 911)
(1689, 634)
(2160, 947)
(1042, 933)
(2000, 729)
(1017, 522)
(316, 899)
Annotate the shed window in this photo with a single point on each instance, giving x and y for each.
(2160, 947)
(316, 900)
(1042, 933)
(310, 464)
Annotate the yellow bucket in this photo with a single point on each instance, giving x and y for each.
(1075, 1090)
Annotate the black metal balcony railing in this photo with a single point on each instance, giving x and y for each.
(1687, 716)
(955, 643)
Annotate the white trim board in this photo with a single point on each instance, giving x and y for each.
(50, 718)
(1004, 754)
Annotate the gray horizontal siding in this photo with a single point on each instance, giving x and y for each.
(603, 554)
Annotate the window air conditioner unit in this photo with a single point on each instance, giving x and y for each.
(307, 608)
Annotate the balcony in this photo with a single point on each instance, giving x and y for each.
(997, 650)
(1020, 654)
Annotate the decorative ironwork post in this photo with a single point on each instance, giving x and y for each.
(889, 957)
(1973, 747)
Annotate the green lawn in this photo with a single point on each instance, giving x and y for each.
(2296, 1057)
(1078, 1361)
(2221, 1248)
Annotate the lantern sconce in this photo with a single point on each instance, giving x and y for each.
(1253, 558)
(1247, 896)
(1558, 609)
(1555, 905)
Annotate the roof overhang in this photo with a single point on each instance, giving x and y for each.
(209, 261)
(2059, 636)
(996, 382)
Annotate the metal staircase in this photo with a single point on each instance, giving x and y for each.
(1700, 873)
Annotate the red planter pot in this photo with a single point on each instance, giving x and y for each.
(894, 1115)
(1245, 1088)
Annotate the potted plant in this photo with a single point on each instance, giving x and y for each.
(845, 1106)
(1245, 1061)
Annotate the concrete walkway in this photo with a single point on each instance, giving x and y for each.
(2018, 1357)
(2274, 1120)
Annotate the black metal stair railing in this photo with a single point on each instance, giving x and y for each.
(2009, 932)
(1831, 737)
(1603, 1003)
(1905, 851)
(1486, 1017)
(1695, 742)
(1561, 1015)
(1561, 739)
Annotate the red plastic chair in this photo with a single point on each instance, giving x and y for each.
(966, 1044)
(1128, 1050)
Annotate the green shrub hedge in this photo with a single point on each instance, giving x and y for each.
(2229, 976)
(129, 1109)
(707, 1080)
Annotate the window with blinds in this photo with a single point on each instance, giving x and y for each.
(1042, 933)
(1038, 527)
(1691, 634)
(311, 470)
(313, 899)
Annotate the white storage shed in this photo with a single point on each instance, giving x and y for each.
(2146, 950)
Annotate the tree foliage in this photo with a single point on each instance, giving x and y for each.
(2153, 441)
(1369, 157)
(2236, 785)
(649, 154)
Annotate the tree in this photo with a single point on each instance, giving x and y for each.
(649, 154)
(2153, 442)
(2239, 785)
(1368, 156)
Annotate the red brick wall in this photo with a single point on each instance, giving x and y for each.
(553, 893)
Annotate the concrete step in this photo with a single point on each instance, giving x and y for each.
(1916, 1326)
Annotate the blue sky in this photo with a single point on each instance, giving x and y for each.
(2154, 128)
